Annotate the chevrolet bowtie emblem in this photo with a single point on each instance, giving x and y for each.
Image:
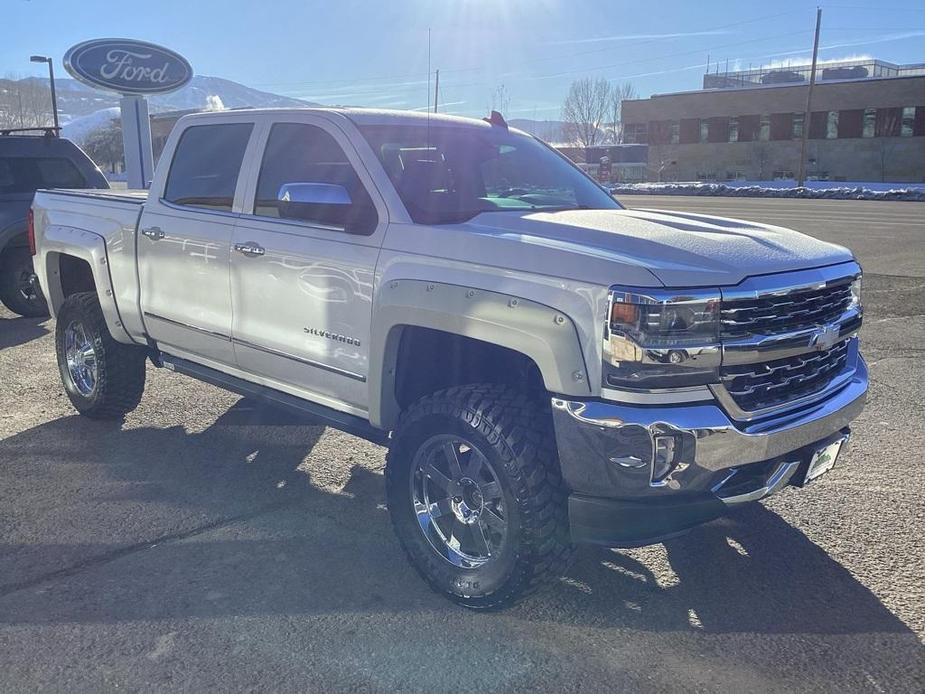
(825, 337)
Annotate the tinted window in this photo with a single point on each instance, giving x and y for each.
(27, 174)
(301, 153)
(205, 166)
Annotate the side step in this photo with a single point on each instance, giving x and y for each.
(313, 413)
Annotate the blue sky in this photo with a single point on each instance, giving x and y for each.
(375, 53)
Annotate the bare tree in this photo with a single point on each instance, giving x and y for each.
(584, 111)
(618, 94)
(104, 146)
(24, 103)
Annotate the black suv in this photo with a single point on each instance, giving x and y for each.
(29, 160)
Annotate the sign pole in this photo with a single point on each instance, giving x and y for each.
(136, 141)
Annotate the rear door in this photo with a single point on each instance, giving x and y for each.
(184, 241)
(301, 276)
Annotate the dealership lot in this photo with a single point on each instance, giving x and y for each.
(206, 542)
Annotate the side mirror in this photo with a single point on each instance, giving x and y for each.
(325, 203)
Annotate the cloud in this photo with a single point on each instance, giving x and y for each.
(636, 37)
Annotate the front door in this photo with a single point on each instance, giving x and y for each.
(302, 271)
(184, 244)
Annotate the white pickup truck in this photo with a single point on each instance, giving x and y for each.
(546, 367)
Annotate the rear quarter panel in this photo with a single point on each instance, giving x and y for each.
(99, 229)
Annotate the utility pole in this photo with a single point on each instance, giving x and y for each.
(436, 91)
(809, 101)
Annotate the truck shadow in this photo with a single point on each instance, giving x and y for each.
(16, 331)
(246, 518)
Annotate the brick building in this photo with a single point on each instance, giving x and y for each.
(867, 124)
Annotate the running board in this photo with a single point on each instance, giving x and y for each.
(313, 413)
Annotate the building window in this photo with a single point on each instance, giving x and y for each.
(889, 122)
(817, 124)
(831, 125)
(718, 129)
(764, 132)
(733, 129)
(704, 130)
(850, 123)
(658, 132)
(749, 128)
(635, 134)
(919, 127)
(689, 131)
(908, 123)
(797, 132)
(781, 126)
(870, 122)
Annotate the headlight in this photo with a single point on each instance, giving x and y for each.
(856, 293)
(661, 338)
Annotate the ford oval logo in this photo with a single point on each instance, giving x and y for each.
(127, 66)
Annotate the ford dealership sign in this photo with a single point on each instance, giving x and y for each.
(127, 66)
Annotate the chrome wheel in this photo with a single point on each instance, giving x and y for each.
(458, 501)
(80, 355)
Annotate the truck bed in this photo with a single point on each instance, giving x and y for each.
(136, 197)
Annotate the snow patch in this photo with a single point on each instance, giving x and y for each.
(842, 190)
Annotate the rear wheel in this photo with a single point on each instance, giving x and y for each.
(104, 379)
(475, 495)
(18, 290)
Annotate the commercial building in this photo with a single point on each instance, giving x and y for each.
(867, 124)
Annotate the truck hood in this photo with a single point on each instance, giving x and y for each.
(679, 249)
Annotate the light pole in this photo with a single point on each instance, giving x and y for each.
(51, 79)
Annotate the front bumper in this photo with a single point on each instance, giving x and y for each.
(607, 452)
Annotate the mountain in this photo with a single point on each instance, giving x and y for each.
(76, 99)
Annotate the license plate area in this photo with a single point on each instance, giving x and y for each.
(822, 460)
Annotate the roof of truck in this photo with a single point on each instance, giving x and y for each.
(360, 116)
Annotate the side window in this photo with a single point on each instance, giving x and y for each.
(205, 166)
(26, 174)
(303, 176)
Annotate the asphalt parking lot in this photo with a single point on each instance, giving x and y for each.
(206, 544)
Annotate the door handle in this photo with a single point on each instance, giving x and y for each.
(250, 249)
(154, 233)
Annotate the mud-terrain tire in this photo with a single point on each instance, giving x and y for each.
(506, 468)
(104, 379)
(17, 293)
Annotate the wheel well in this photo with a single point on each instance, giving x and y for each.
(76, 276)
(431, 360)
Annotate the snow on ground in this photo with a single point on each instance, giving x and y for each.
(79, 129)
(783, 188)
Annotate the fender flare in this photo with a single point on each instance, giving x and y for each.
(540, 332)
(59, 240)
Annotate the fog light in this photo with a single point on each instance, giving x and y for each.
(664, 459)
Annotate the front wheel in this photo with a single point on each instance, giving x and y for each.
(475, 494)
(104, 379)
(19, 291)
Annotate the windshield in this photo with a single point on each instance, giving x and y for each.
(446, 174)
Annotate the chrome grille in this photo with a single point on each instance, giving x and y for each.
(756, 387)
(772, 314)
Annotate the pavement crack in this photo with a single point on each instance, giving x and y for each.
(127, 550)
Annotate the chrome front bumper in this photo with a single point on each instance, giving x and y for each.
(607, 449)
